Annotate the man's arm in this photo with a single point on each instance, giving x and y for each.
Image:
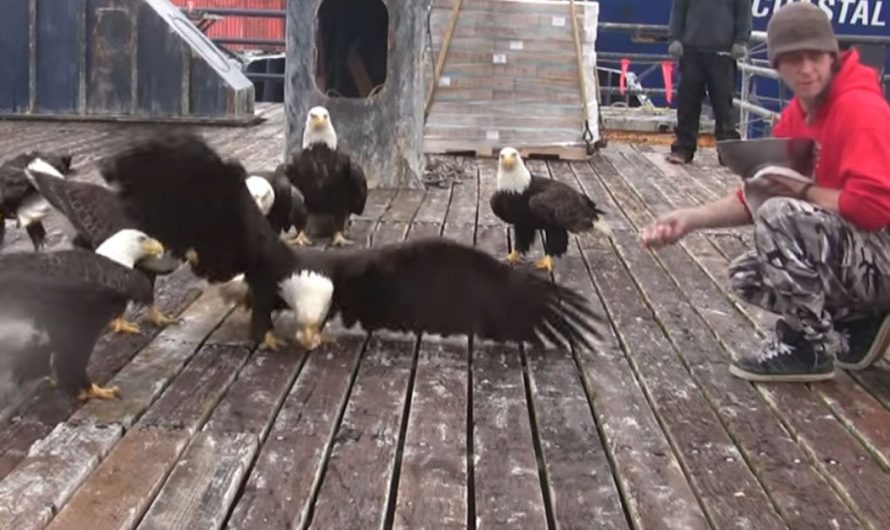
(742, 22)
(678, 20)
(727, 211)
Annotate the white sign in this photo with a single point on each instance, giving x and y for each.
(444, 81)
(499, 58)
(866, 13)
(516, 45)
(492, 135)
(558, 21)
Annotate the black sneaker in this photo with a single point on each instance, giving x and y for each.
(867, 339)
(786, 357)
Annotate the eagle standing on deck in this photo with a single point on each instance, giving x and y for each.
(278, 200)
(432, 286)
(95, 214)
(531, 203)
(19, 199)
(54, 305)
(330, 181)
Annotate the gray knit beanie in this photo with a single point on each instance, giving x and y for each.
(799, 26)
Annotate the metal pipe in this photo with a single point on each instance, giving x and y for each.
(616, 56)
(755, 109)
(263, 76)
(758, 70)
(760, 36)
(239, 12)
(622, 26)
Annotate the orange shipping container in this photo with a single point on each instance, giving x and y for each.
(242, 27)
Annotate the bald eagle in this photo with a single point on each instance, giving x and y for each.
(54, 305)
(432, 286)
(18, 198)
(95, 214)
(330, 181)
(278, 200)
(531, 203)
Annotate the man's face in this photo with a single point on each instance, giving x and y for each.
(807, 73)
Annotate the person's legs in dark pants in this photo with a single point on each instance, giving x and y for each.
(721, 73)
(690, 94)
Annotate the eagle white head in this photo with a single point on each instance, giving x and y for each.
(319, 128)
(310, 295)
(39, 165)
(512, 173)
(128, 246)
(261, 191)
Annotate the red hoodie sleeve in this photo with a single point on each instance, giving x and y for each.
(865, 172)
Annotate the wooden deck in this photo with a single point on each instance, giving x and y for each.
(389, 431)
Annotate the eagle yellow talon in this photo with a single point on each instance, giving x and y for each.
(191, 255)
(271, 342)
(119, 325)
(301, 240)
(545, 263)
(513, 258)
(340, 240)
(97, 392)
(159, 319)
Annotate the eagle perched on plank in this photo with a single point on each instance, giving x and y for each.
(531, 203)
(331, 182)
(430, 286)
(54, 306)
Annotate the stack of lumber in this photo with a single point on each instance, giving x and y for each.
(511, 78)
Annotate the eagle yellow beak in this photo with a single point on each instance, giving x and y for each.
(317, 121)
(153, 247)
(508, 161)
(309, 336)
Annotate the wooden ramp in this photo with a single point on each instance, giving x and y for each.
(511, 78)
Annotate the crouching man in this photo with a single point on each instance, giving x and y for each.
(822, 251)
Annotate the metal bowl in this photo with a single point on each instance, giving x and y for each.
(163, 264)
(746, 157)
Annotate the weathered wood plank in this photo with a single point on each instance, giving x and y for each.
(487, 187)
(502, 436)
(279, 489)
(356, 481)
(203, 484)
(580, 478)
(434, 206)
(433, 480)
(117, 494)
(405, 206)
(32, 493)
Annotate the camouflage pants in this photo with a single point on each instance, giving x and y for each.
(812, 267)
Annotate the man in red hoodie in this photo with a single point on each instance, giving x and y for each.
(822, 258)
